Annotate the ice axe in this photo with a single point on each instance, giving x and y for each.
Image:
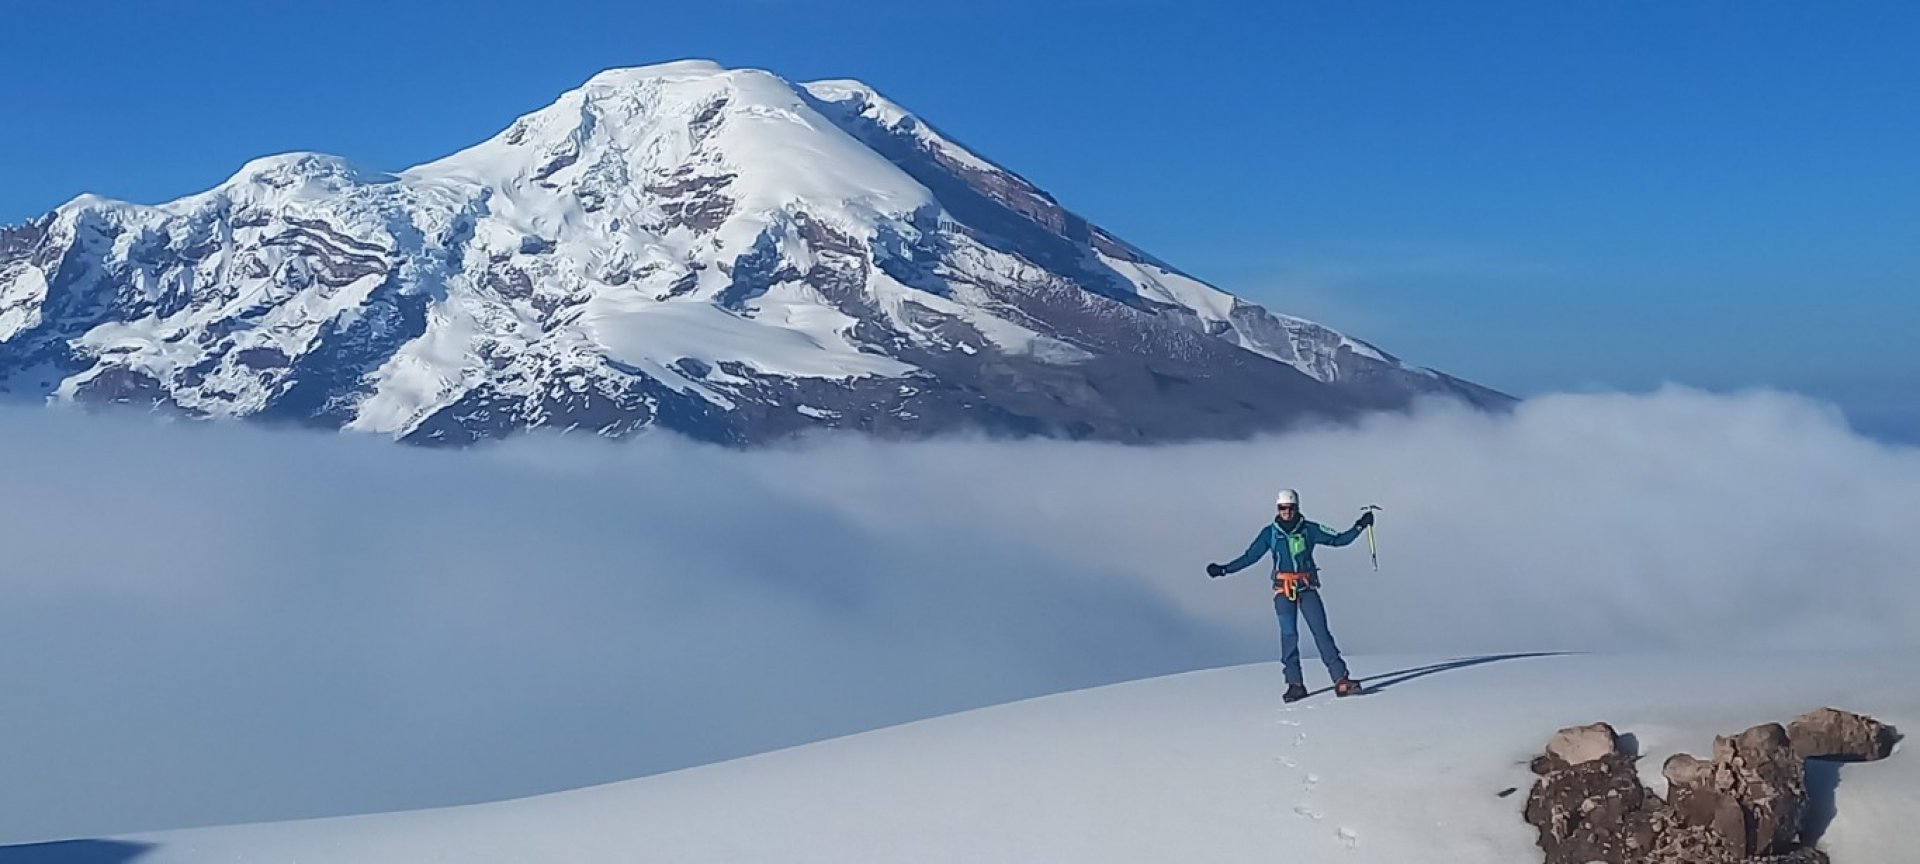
(1373, 549)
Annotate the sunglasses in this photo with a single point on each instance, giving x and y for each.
(1286, 506)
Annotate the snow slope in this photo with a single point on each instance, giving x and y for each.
(1204, 766)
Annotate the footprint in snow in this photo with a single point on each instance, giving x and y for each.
(1306, 812)
(1349, 837)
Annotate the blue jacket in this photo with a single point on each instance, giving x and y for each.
(1292, 547)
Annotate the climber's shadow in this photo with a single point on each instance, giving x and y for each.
(1377, 683)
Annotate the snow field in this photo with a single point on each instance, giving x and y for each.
(1203, 766)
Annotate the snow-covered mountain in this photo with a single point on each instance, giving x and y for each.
(1206, 766)
(717, 252)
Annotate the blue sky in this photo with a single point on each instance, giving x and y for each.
(1535, 196)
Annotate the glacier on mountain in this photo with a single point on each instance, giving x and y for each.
(680, 246)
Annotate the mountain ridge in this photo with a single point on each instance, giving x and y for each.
(715, 252)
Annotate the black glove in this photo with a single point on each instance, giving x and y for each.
(1364, 520)
(1215, 571)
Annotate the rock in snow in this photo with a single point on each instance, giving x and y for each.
(1752, 796)
(1594, 810)
(1829, 733)
(679, 246)
(1578, 745)
(1749, 804)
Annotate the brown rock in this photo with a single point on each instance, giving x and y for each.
(1703, 798)
(1745, 805)
(1701, 846)
(1594, 811)
(1685, 845)
(1770, 780)
(1578, 745)
(1829, 733)
(1752, 796)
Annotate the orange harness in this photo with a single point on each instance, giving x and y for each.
(1291, 584)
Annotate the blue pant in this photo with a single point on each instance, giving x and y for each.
(1316, 613)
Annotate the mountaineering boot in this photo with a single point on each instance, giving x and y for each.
(1346, 687)
(1295, 693)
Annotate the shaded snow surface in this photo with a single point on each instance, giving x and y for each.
(1203, 766)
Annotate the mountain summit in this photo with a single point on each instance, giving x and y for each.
(716, 252)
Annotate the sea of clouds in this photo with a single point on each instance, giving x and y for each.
(211, 623)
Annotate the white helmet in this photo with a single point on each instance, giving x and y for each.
(1288, 496)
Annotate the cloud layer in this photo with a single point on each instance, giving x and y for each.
(222, 623)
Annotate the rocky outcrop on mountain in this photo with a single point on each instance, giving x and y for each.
(1829, 733)
(715, 252)
(1578, 745)
(1588, 804)
(1747, 804)
(1751, 797)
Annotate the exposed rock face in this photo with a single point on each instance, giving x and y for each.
(1596, 810)
(1579, 745)
(1753, 795)
(1829, 733)
(1699, 802)
(1745, 805)
(1684, 845)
